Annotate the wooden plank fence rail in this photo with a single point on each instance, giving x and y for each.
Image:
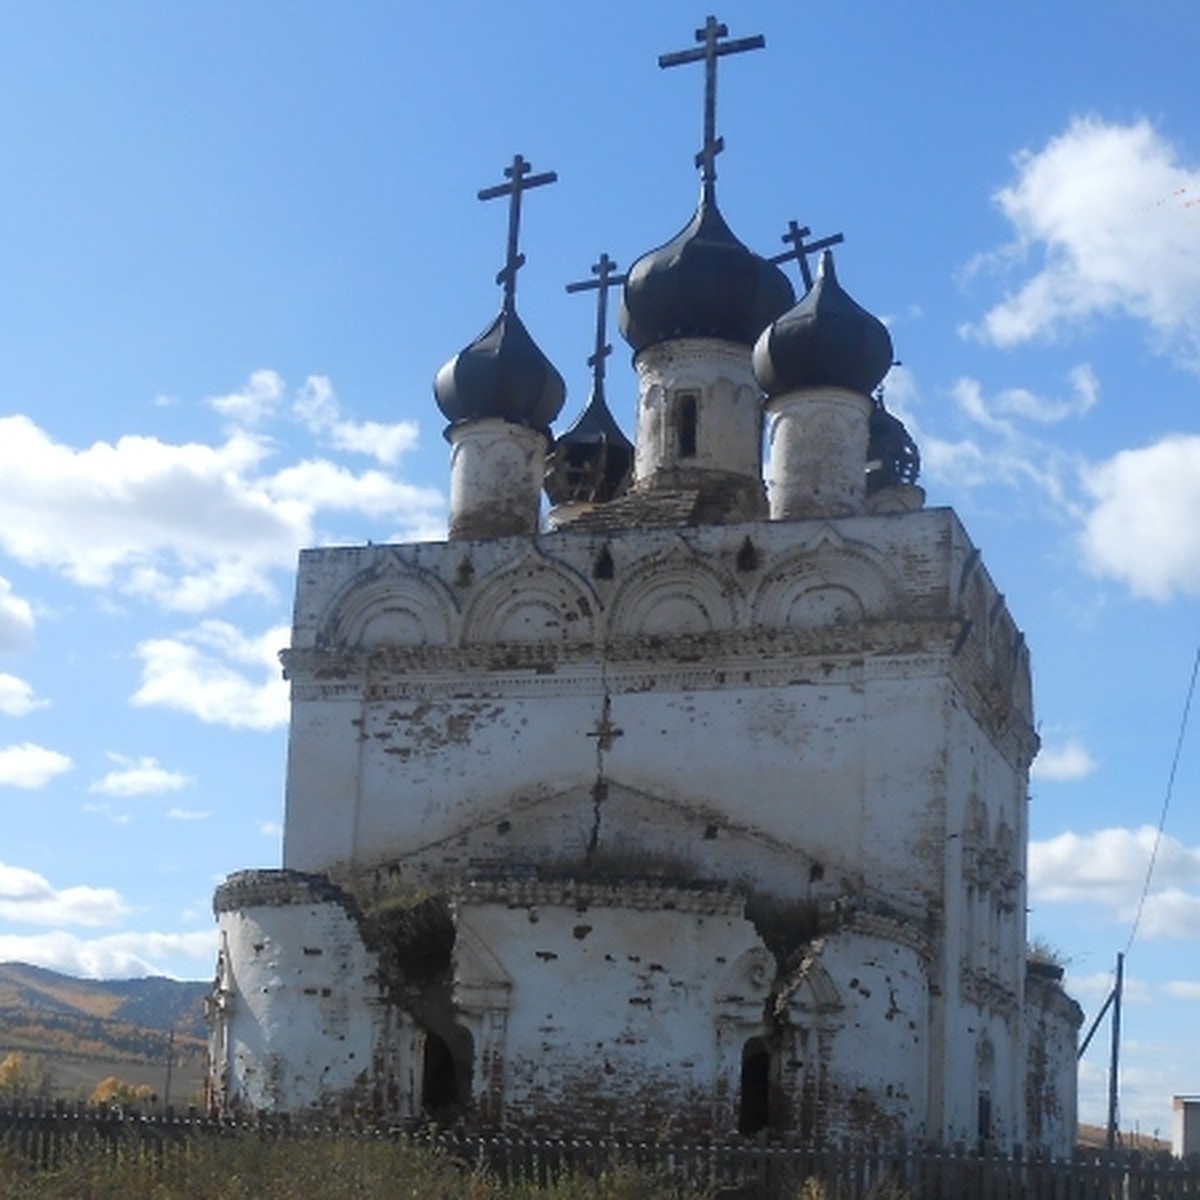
(45, 1134)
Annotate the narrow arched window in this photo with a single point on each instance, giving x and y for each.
(686, 422)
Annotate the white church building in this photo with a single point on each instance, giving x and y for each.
(699, 805)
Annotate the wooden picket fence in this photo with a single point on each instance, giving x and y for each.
(44, 1134)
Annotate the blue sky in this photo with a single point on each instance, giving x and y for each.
(237, 241)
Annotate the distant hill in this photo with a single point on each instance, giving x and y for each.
(86, 1029)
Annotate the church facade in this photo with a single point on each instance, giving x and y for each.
(701, 808)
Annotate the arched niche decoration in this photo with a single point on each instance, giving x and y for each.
(393, 603)
(743, 989)
(833, 582)
(535, 599)
(672, 594)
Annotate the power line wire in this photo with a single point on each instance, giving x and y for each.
(1162, 819)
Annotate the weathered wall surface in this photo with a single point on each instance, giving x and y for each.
(297, 1019)
(731, 818)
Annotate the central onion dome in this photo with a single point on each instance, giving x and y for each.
(827, 340)
(702, 283)
(501, 374)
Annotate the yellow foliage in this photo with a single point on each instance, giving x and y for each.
(112, 1090)
(23, 1075)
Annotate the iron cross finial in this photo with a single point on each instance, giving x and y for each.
(519, 181)
(606, 277)
(712, 49)
(801, 249)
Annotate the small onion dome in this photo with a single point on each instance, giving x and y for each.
(502, 373)
(702, 283)
(827, 340)
(591, 462)
(892, 455)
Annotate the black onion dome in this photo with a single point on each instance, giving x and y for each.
(827, 340)
(591, 462)
(702, 283)
(892, 456)
(502, 373)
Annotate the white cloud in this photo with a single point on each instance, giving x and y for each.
(1107, 209)
(1093, 989)
(114, 956)
(1063, 763)
(1183, 989)
(139, 777)
(185, 526)
(317, 408)
(1109, 867)
(270, 829)
(17, 698)
(1172, 914)
(255, 402)
(201, 672)
(187, 814)
(30, 766)
(154, 518)
(1138, 529)
(28, 898)
(16, 619)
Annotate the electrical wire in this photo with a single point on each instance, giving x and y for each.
(1166, 805)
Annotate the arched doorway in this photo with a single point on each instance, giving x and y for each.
(754, 1108)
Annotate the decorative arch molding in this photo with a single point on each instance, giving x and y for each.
(811, 988)
(535, 598)
(832, 582)
(745, 986)
(392, 603)
(675, 593)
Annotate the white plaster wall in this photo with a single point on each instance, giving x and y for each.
(496, 471)
(875, 1074)
(613, 1012)
(818, 443)
(303, 1023)
(729, 420)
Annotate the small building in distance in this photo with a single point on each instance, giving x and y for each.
(703, 809)
(1185, 1131)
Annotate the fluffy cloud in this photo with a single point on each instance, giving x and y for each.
(1183, 989)
(1063, 763)
(187, 814)
(28, 898)
(203, 672)
(1134, 531)
(1080, 205)
(138, 777)
(30, 766)
(187, 526)
(255, 402)
(17, 698)
(114, 956)
(1109, 868)
(16, 619)
(317, 408)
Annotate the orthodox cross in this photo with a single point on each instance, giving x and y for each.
(801, 250)
(605, 279)
(712, 49)
(519, 181)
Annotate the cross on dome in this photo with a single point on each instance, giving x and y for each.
(520, 181)
(801, 250)
(712, 49)
(606, 277)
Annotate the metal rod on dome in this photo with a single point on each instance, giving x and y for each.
(712, 49)
(605, 279)
(520, 181)
(801, 250)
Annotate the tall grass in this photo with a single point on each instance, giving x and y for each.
(244, 1167)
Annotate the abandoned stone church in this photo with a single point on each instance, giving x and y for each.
(698, 805)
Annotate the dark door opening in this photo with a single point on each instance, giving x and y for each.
(754, 1112)
(439, 1077)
